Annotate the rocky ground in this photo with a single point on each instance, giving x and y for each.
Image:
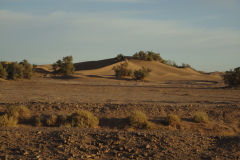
(113, 139)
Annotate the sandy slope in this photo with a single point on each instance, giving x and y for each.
(160, 72)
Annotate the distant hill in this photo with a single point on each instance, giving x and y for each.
(160, 71)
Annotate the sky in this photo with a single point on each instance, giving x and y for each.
(202, 33)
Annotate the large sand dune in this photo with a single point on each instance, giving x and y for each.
(160, 72)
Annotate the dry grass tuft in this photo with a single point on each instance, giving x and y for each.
(200, 117)
(173, 120)
(18, 112)
(8, 121)
(139, 120)
(83, 119)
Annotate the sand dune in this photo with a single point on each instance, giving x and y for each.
(160, 71)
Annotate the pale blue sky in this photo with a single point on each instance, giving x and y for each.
(203, 33)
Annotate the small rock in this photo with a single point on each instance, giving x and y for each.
(147, 146)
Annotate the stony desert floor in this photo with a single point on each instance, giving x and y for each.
(112, 101)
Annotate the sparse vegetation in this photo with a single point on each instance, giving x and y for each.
(232, 77)
(3, 72)
(122, 71)
(20, 113)
(8, 121)
(62, 121)
(49, 120)
(141, 74)
(120, 58)
(173, 120)
(27, 69)
(64, 66)
(139, 120)
(14, 70)
(200, 117)
(174, 64)
(148, 56)
(83, 119)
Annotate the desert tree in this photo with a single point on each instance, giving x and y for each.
(64, 66)
(232, 77)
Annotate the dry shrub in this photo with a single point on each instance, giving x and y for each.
(18, 112)
(83, 119)
(8, 121)
(139, 120)
(173, 120)
(62, 121)
(50, 120)
(200, 117)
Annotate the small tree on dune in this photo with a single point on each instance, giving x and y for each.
(64, 66)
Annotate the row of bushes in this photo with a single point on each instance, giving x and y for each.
(15, 70)
(85, 119)
(151, 56)
(122, 71)
(148, 56)
(174, 64)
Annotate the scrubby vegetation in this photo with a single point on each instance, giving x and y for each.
(139, 120)
(141, 74)
(120, 58)
(3, 72)
(8, 121)
(83, 119)
(122, 71)
(173, 120)
(232, 77)
(13, 115)
(15, 70)
(174, 64)
(200, 117)
(148, 56)
(64, 66)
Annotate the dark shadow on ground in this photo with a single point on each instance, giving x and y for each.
(119, 123)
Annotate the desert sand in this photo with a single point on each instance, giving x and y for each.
(167, 90)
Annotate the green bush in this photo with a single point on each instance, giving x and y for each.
(200, 117)
(173, 120)
(3, 72)
(64, 66)
(232, 77)
(15, 70)
(148, 56)
(83, 119)
(120, 58)
(139, 120)
(27, 69)
(141, 74)
(121, 71)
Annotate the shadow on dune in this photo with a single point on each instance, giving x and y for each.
(90, 65)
